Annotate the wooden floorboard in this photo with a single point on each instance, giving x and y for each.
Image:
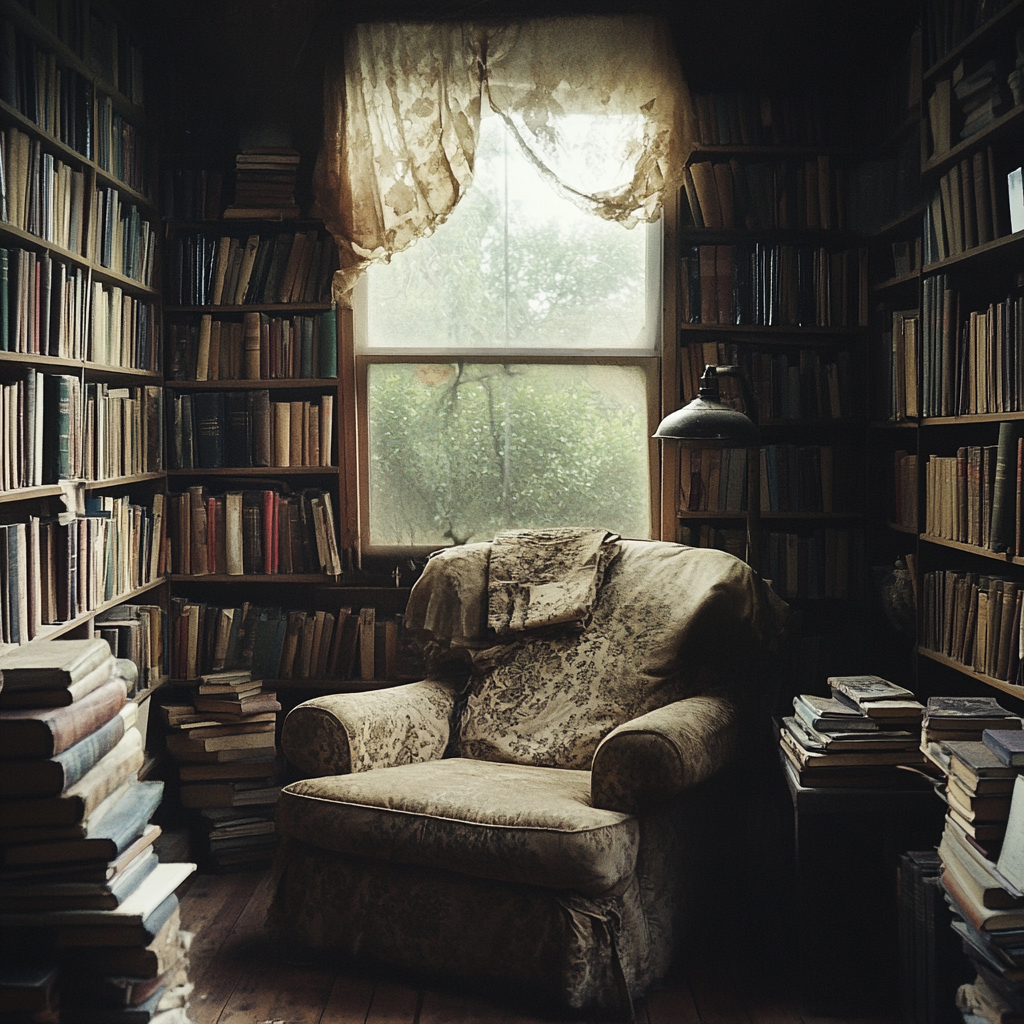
(240, 978)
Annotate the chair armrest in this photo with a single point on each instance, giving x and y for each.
(659, 755)
(352, 732)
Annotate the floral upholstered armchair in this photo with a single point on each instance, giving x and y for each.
(526, 823)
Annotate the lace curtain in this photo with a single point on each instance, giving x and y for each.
(401, 124)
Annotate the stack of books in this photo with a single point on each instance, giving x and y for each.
(982, 97)
(83, 897)
(226, 746)
(983, 882)
(265, 184)
(960, 718)
(865, 735)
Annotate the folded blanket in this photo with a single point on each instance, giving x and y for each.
(449, 598)
(547, 577)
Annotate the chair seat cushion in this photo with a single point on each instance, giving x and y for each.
(513, 823)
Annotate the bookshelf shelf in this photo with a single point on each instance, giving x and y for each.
(124, 481)
(771, 333)
(1008, 127)
(893, 283)
(1006, 248)
(31, 493)
(30, 241)
(899, 528)
(92, 371)
(998, 22)
(272, 383)
(980, 417)
(144, 695)
(773, 516)
(53, 144)
(832, 237)
(893, 425)
(61, 628)
(705, 151)
(971, 549)
(262, 472)
(280, 307)
(251, 578)
(998, 684)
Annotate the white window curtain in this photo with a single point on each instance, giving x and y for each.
(401, 124)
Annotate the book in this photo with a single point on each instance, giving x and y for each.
(45, 732)
(1010, 864)
(966, 896)
(972, 761)
(150, 960)
(854, 691)
(811, 739)
(827, 714)
(72, 806)
(1006, 744)
(53, 776)
(51, 666)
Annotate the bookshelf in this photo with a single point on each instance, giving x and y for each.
(948, 343)
(768, 276)
(254, 403)
(81, 370)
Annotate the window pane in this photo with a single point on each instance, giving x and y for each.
(516, 266)
(460, 451)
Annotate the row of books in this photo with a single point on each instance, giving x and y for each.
(794, 478)
(205, 270)
(965, 104)
(949, 22)
(65, 20)
(761, 196)
(114, 56)
(41, 194)
(87, 908)
(788, 383)
(975, 620)
(190, 193)
(252, 532)
(48, 307)
(265, 184)
(58, 99)
(218, 429)
(905, 490)
(136, 633)
(281, 643)
(969, 207)
(122, 148)
(122, 239)
(820, 564)
(54, 429)
(976, 496)
(773, 285)
(257, 347)
(225, 747)
(865, 734)
(757, 119)
(900, 351)
(52, 570)
(981, 867)
(971, 360)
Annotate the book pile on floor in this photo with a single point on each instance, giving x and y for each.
(265, 184)
(88, 913)
(865, 735)
(982, 853)
(960, 718)
(226, 746)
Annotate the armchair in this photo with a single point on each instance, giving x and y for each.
(527, 825)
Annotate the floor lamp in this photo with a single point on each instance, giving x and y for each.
(708, 423)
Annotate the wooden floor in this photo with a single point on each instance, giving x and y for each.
(239, 980)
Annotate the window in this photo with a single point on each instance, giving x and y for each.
(508, 361)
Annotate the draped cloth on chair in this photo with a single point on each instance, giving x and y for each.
(402, 121)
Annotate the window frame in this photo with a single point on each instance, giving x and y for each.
(660, 365)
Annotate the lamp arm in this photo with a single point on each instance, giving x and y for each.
(746, 392)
